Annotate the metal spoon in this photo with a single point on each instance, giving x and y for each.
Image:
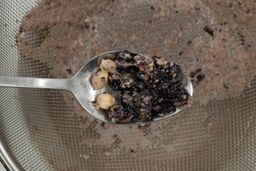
(79, 85)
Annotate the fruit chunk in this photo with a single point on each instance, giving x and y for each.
(105, 101)
(100, 80)
(108, 65)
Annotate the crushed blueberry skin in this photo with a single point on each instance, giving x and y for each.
(149, 88)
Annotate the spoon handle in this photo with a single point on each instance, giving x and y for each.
(42, 83)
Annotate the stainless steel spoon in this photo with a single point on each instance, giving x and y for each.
(79, 85)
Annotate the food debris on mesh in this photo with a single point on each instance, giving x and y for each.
(148, 87)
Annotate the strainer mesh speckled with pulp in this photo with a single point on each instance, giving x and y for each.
(48, 130)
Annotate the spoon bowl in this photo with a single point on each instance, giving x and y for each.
(80, 86)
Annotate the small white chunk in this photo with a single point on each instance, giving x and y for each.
(100, 80)
(108, 65)
(105, 101)
(161, 61)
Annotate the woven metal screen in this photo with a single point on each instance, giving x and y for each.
(214, 41)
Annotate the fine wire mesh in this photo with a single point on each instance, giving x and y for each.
(48, 130)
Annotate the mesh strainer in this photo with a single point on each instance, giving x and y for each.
(48, 130)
